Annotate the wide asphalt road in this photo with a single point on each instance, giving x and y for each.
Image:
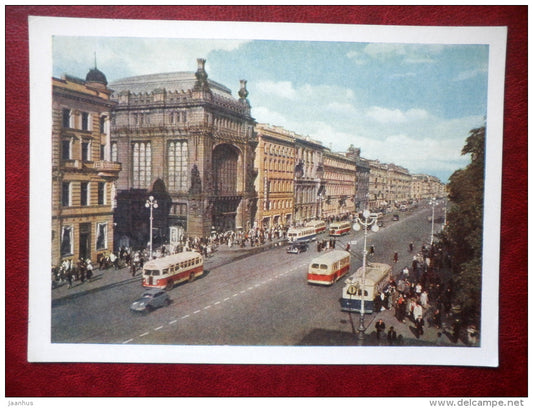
(260, 300)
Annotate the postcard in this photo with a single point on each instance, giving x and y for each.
(264, 193)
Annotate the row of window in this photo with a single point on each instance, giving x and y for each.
(273, 150)
(85, 193)
(277, 204)
(279, 186)
(67, 238)
(67, 150)
(279, 165)
(81, 121)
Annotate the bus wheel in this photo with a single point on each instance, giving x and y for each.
(170, 285)
(191, 277)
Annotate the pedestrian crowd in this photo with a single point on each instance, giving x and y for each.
(418, 297)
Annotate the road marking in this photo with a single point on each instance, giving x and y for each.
(184, 317)
(127, 341)
(226, 299)
(257, 284)
(173, 321)
(250, 288)
(197, 311)
(207, 307)
(217, 303)
(144, 334)
(242, 291)
(158, 328)
(235, 295)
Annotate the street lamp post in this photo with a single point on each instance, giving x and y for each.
(369, 220)
(151, 203)
(433, 203)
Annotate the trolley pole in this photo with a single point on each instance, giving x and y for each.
(151, 203)
(433, 203)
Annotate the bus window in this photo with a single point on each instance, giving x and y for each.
(323, 266)
(165, 271)
(315, 266)
(155, 272)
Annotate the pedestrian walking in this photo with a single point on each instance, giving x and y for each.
(419, 326)
(380, 328)
(89, 268)
(396, 257)
(391, 336)
(437, 318)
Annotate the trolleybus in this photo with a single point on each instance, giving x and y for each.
(320, 226)
(301, 234)
(338, 228)
(165, 272)
(328, 268)
(357, 289)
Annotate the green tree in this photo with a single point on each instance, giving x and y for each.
(463, 235)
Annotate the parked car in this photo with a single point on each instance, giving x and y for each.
(150, 300)
(395, 217)
(297, 247)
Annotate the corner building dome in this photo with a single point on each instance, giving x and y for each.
(95, 75)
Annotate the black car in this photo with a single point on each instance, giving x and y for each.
(395, 217)
(297, 247)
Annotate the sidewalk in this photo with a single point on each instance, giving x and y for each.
(111, 277)
(407, 331)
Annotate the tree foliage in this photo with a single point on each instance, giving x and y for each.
(464, 233)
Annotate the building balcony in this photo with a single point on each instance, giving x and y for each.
(103, 165)
(71, 164)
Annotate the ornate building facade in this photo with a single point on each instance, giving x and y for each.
(339, 182)
(378, 185)
(362, 178)
(308, 173)
(424, 186)
(399, 184)
(274, 160)
(185, 140)
(83, 173)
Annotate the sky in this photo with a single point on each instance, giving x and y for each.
(408, 104)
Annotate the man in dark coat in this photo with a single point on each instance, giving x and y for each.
(380, 328)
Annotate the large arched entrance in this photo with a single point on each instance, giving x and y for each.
(226, 179)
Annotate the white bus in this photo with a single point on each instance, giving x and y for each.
(357, 289)
(165, 272)
(328, 268)
(301, 234)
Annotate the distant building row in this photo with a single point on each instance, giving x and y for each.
(187, 141)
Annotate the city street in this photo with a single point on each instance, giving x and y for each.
(262, 298)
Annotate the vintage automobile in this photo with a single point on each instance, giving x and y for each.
(150, 300)
(297, 247)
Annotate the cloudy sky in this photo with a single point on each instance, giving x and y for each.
(408, 104)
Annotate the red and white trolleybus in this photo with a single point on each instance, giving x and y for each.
(165, 272)
(329, 268)
(336, 229)
(319, 225)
